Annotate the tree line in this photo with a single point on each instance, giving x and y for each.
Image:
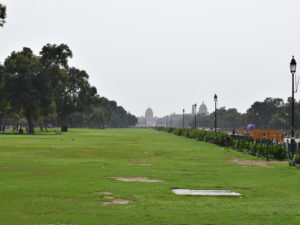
(272, 113)
(44, 89)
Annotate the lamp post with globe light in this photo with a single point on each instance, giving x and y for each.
(195, 115)
(216, 100)
(183, 118)
(293, 66)
(286, 117)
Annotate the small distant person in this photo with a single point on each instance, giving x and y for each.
(21, 131)
(233, 131)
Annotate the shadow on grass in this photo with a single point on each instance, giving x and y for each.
(35, 134)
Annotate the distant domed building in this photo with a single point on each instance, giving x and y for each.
(203, 109)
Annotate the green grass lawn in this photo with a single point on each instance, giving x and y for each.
(50, 179)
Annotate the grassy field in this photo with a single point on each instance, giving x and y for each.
(50, 179)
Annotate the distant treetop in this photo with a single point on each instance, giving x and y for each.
(2, 14)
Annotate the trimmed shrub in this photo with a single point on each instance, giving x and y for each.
(261, 147)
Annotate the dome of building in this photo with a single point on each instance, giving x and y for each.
(203, 109)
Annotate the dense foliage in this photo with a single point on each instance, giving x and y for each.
(260, 148)
(2, 14)
(45, 90)
(102, 113)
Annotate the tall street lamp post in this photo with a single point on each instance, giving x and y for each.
(183, 118)
(216, 100)
(286, 117)
(195, 115)
(293, 65)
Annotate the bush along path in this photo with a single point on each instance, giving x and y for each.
(260, 148)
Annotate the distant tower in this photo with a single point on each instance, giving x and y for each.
(203, 109)
(149, 118)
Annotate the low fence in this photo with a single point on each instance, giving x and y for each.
(264, 134)
(260, 147)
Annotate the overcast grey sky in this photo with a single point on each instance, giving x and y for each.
(167, 54)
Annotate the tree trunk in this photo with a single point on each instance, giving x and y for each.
(64, 128)
(29, 118)
(62, 123)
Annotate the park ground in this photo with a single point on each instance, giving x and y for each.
(53, 178)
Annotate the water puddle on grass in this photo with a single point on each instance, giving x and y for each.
(205, 192)
(138, 179)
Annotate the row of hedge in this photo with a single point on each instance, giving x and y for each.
(259, 148)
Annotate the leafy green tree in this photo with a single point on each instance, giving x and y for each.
(55, 62)
(132, 120)
(96, 117)
(261, 113)
(277, 122)
(4, 103)
(233, 119)
(2, 14)
(3, 90)
(56, 56)
(28, 88)
(70, 86)
(73, 95)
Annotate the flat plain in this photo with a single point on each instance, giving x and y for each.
(79, 178)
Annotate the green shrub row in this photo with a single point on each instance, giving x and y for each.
(259, 148)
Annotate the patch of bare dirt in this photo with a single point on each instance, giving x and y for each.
(144, 164)
(116, 202)
(280, 162)
(139, 163)
(138, 179)
(102, 193)
(197, 175)
(256, 162)
(108, 197)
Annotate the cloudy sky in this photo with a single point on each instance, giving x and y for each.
(167, 54)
